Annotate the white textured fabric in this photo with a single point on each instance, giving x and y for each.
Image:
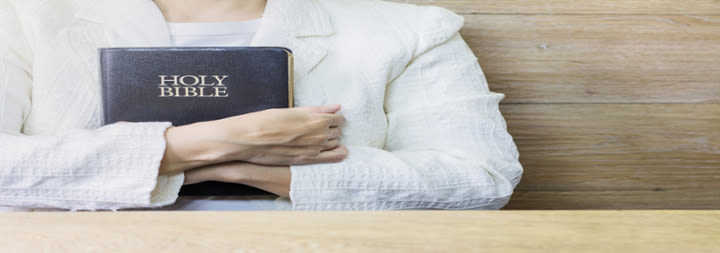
(424, 131)
(231, 34)
(63, 164)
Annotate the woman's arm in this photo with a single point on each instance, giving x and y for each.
(109, 168)
(300, 135)
(136, 164)
(275, 179)
(447, 146)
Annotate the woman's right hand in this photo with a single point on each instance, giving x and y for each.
(296, 136)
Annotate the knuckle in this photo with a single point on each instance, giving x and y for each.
(339, 157)
(309, 141)
(316, 152)
(319, 138)
(341, 120)
(331, 144)
(337, 133)
(298, 153)
(305, 158)
(316, 123)
(310, 153)
(297, 160)
(325, 121)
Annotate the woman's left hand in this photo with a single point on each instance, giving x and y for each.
(275, 179)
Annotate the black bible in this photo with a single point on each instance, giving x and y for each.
(192, 84)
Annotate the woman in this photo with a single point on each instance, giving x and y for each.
(418, 128)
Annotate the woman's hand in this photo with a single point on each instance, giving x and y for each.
(303, 135)
(275, 179)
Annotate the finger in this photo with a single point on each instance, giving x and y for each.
(332, 156)
(332, 144)
(319, 109)
(336, 120)
(335, 132)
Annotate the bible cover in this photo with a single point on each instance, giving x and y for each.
(187, 85)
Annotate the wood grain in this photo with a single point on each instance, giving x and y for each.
(692, 199)
(576, 7)
(613, 104)
(506, 231)
(598, 58)
(611, 147)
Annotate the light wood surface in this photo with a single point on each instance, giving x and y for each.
(613, 104)
(574, 6)
(580, 147)
(617, 156)
(696, 198)
(599, 58)
(419, 231)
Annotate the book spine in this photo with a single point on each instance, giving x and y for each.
(104, 66)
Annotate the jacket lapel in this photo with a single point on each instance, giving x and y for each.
(127, 23)
(294, 24)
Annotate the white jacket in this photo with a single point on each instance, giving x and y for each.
(424, 131)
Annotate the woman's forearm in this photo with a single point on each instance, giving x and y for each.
(189, 147)
(302, 135)
(275, 179)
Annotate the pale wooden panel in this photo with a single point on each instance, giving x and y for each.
(585, 7)
(613, 147)
(599, 59)
(612, 200)
(457, 231)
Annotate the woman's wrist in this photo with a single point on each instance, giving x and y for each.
(303, 135)
(275, 179)
(191, 146)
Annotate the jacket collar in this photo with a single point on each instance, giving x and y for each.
(286, 23)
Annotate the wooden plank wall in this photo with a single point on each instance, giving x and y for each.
(613, 104)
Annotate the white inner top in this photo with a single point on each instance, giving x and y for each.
(226, 34)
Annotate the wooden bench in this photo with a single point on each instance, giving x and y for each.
(613, 104)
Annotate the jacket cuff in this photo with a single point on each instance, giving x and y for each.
(167, 189)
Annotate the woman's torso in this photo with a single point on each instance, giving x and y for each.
(340, 58)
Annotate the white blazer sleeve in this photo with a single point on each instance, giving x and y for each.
(447, 146)
(108, 168)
